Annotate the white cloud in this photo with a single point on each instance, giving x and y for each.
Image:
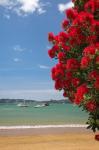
(63, 7)
(48, 47)
(16, 60)
(6, 2)
(18, 48)
(7, 16)
(41, 11)
(23, 7)
(43, 67)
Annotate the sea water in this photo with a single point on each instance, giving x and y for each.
(54, 114)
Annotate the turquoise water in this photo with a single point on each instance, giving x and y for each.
(11, 114)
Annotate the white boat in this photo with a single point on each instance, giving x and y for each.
(38, 106)
(19, 104)
(42, 105)
(22, 104)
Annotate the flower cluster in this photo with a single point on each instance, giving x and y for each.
(77, 50)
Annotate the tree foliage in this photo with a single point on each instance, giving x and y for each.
(76, 49)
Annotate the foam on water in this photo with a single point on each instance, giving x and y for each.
(44, 126)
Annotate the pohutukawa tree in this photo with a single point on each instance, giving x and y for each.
(76, 49)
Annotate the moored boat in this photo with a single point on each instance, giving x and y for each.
(41, 105)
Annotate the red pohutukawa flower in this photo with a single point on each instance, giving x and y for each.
(65, 94)
(77, 51)
(91, 106)
(93, 75)
(69, 75)
(65, 24)
(85, 61)
(51, 37)
(81, 91)
(58, 85)
(71, 14)
(75, 82)
(72, 64)
(51, 53)
(90, 6)
(96, 84)
(97, 60)
(90, 51)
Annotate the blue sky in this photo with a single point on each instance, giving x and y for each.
(24, 62)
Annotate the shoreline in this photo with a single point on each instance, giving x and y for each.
(42, 130)
(43, 126)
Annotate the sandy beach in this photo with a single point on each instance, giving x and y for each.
(48, 139)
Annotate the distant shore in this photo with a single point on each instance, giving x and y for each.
(14, 101)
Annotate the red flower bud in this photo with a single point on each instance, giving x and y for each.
(65, 24)
(51, 53)
(51, 37)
